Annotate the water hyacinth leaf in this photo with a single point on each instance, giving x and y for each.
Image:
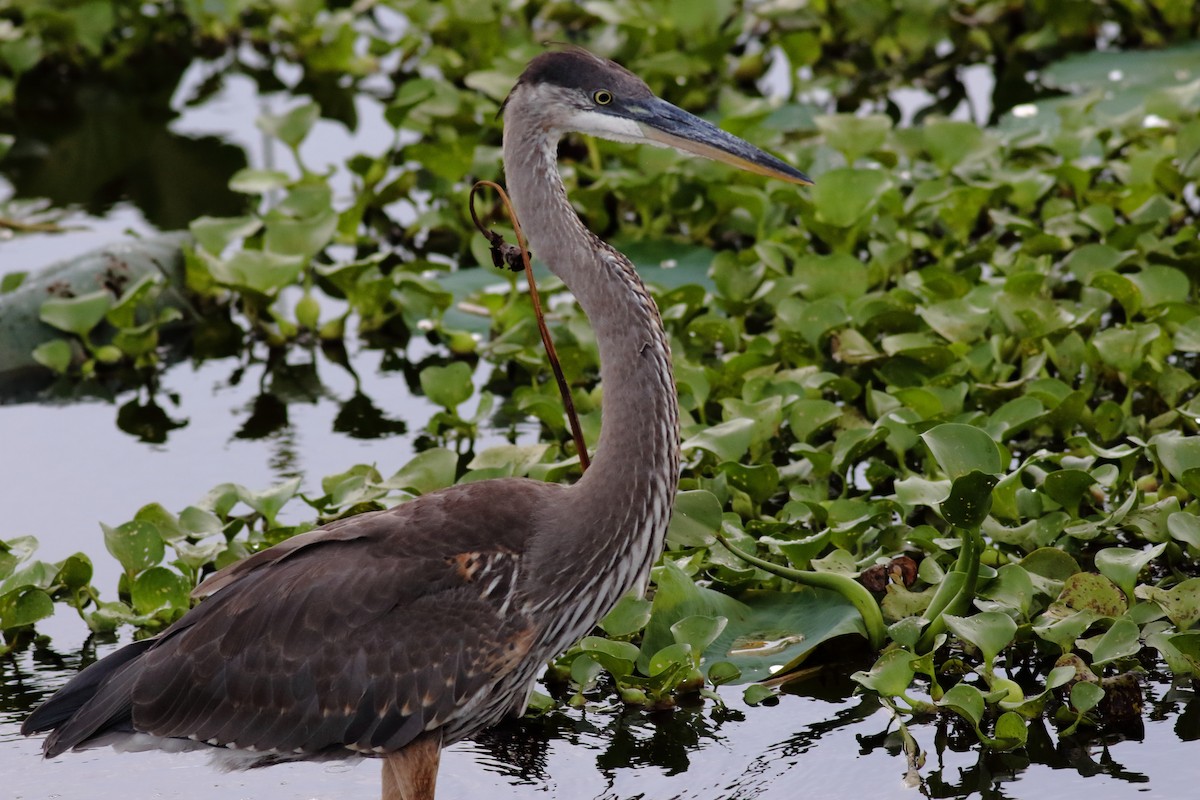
(426, 472)
(135, 545)
(961, 449)
(1085, 696)
(729, 440)
(1181, 602)
(164, 521)
(844, 196)
(698, 631)
(1180, 651)
(626, 651)
(966, 700)
(77, 315)
(808, 416)
(75, 571)
(449, 386)
(989, 631)
(891, 675)
(258, 181)
(214, 234)
(584, 670)
(1011, 731)
(1067, 487)
(628, 616)
(1091, 592)
(55, 355)
(1122, 565)
(760, 481)
(757, 693)
(673, 655)
(1184, 527)
(1178, 454)
(511, 459)
(970, 500)
(1064, 630)
(270, 501)
(199, 521)
(159, 588)
(696, 520)
(23, 606)
(853, 134)
(722, 672)
(1119, 641)
(291, 126)
(767, 632)
(1012, 588)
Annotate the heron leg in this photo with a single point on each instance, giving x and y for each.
(411, 773)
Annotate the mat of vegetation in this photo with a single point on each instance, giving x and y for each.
(944, 403)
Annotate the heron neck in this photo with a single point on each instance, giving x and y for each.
(629, 489)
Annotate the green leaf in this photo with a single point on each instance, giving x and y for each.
(696, 520)
(24, 606)
(426, 472)
(159, 588)
(1085, 695)
(698, 631)
(214, 234)
(77, 315)
(54, 354)
(292, 126)
(1181, 602)
(970, 500)
(627, 617)
(989, 632)
(1122, 565)
(257, 181)
(1011, 731)
(449, 386)
(1091, 592)
(966, 700)
(962, 449)
(1119, 641)
(729, 441)
(845, 196)
(136, 545)
(269, 501)
(891, 675)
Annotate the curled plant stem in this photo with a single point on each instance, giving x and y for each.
(848, 588)
(503, 255)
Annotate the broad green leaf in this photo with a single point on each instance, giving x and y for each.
(1121, 565)
(77, 315)
(966, 700)
(54, 354)
(159, 588)
(1119, 641)
(1181, 602)
(24, 606)
(970, 500)
(627, 617)
(962, 449)
(449, 386)
(729, 440)
(1092, 592)
(270, 501)
(891, 675)
(843, 197)
(1085, 696)
(291, 126)
(989, 631)
(214, 234)
(136, 545)
(696, 520)
(426, 472)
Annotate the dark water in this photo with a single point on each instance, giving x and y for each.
(114, 160)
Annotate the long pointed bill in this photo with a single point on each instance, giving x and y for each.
(671, 126)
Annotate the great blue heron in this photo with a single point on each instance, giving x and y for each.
(399, 632)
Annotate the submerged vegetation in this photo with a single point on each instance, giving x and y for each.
(944, 403)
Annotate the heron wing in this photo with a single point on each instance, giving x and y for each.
(391, 624)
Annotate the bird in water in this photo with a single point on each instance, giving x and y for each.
(396, 633)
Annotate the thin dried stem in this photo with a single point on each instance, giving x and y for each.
(502, 255)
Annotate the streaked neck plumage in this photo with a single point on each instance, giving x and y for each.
(628, 492)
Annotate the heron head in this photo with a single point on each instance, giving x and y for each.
(572, 89)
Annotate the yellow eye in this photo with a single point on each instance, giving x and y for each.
(602, 97)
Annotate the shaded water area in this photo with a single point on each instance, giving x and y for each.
(156, 159)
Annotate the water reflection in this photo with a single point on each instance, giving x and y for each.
(102, 143)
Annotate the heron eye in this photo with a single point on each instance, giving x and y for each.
(602, 97)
